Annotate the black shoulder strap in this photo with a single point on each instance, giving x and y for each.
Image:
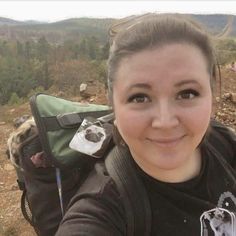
(218, 143)
(221, 140)
(136, 201)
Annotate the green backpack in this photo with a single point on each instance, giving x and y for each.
(57, 121)
(51, 172)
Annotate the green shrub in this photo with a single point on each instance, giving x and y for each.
(14, 99)
(39, 89)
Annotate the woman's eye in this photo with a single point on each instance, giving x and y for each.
(188, 94)
(139, 98)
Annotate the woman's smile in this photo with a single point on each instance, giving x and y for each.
(166, 142)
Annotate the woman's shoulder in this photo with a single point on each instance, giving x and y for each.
(217, 129)
(223, 139)
(96, 208)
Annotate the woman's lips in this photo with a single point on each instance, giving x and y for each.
(166, 141)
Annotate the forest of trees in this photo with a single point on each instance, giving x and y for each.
(26, 67)
(61, 56)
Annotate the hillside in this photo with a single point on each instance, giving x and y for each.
(215, 23)
(80, 27)
(70, 29)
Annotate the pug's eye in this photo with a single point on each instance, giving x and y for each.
(139, 98)
(187, 94)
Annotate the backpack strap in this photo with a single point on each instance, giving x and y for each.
(136, 202)
(221, 140)
(220, 143)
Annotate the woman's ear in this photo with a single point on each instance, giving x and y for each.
(115, 122)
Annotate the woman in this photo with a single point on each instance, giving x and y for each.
(161, 74)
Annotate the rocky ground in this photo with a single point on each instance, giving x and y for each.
(225, 109)
(12, 222)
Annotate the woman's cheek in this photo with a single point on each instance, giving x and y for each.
(197, 117)
(131, 123)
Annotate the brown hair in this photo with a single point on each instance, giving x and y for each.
(137, 33)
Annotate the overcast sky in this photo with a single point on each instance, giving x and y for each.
(51, 11)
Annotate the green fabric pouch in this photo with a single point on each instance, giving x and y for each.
(57, 121)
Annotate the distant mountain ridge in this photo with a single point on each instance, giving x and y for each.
(7, 21)
(77, 28)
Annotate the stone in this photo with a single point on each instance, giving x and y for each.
(227, 96)
(8, 167)
(14, 187)
(233, 97)
(82, 87)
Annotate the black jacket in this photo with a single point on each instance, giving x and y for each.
(177, 209)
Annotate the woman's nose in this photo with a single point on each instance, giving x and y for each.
(165, 116)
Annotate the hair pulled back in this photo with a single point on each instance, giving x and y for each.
(137, 33)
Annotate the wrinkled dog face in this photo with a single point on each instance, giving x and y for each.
(20, 120)
(16, 138)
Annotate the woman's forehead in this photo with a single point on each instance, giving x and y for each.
(170, 68)
(163, 59)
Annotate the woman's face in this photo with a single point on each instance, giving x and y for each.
(162, 101)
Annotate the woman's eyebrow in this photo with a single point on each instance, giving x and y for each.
(185, 82)
(140, 85)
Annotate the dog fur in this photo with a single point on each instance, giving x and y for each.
(16, 138)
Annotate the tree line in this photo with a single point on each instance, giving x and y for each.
(37, 65)
(34, 65)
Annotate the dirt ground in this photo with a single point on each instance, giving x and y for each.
(12, 222)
